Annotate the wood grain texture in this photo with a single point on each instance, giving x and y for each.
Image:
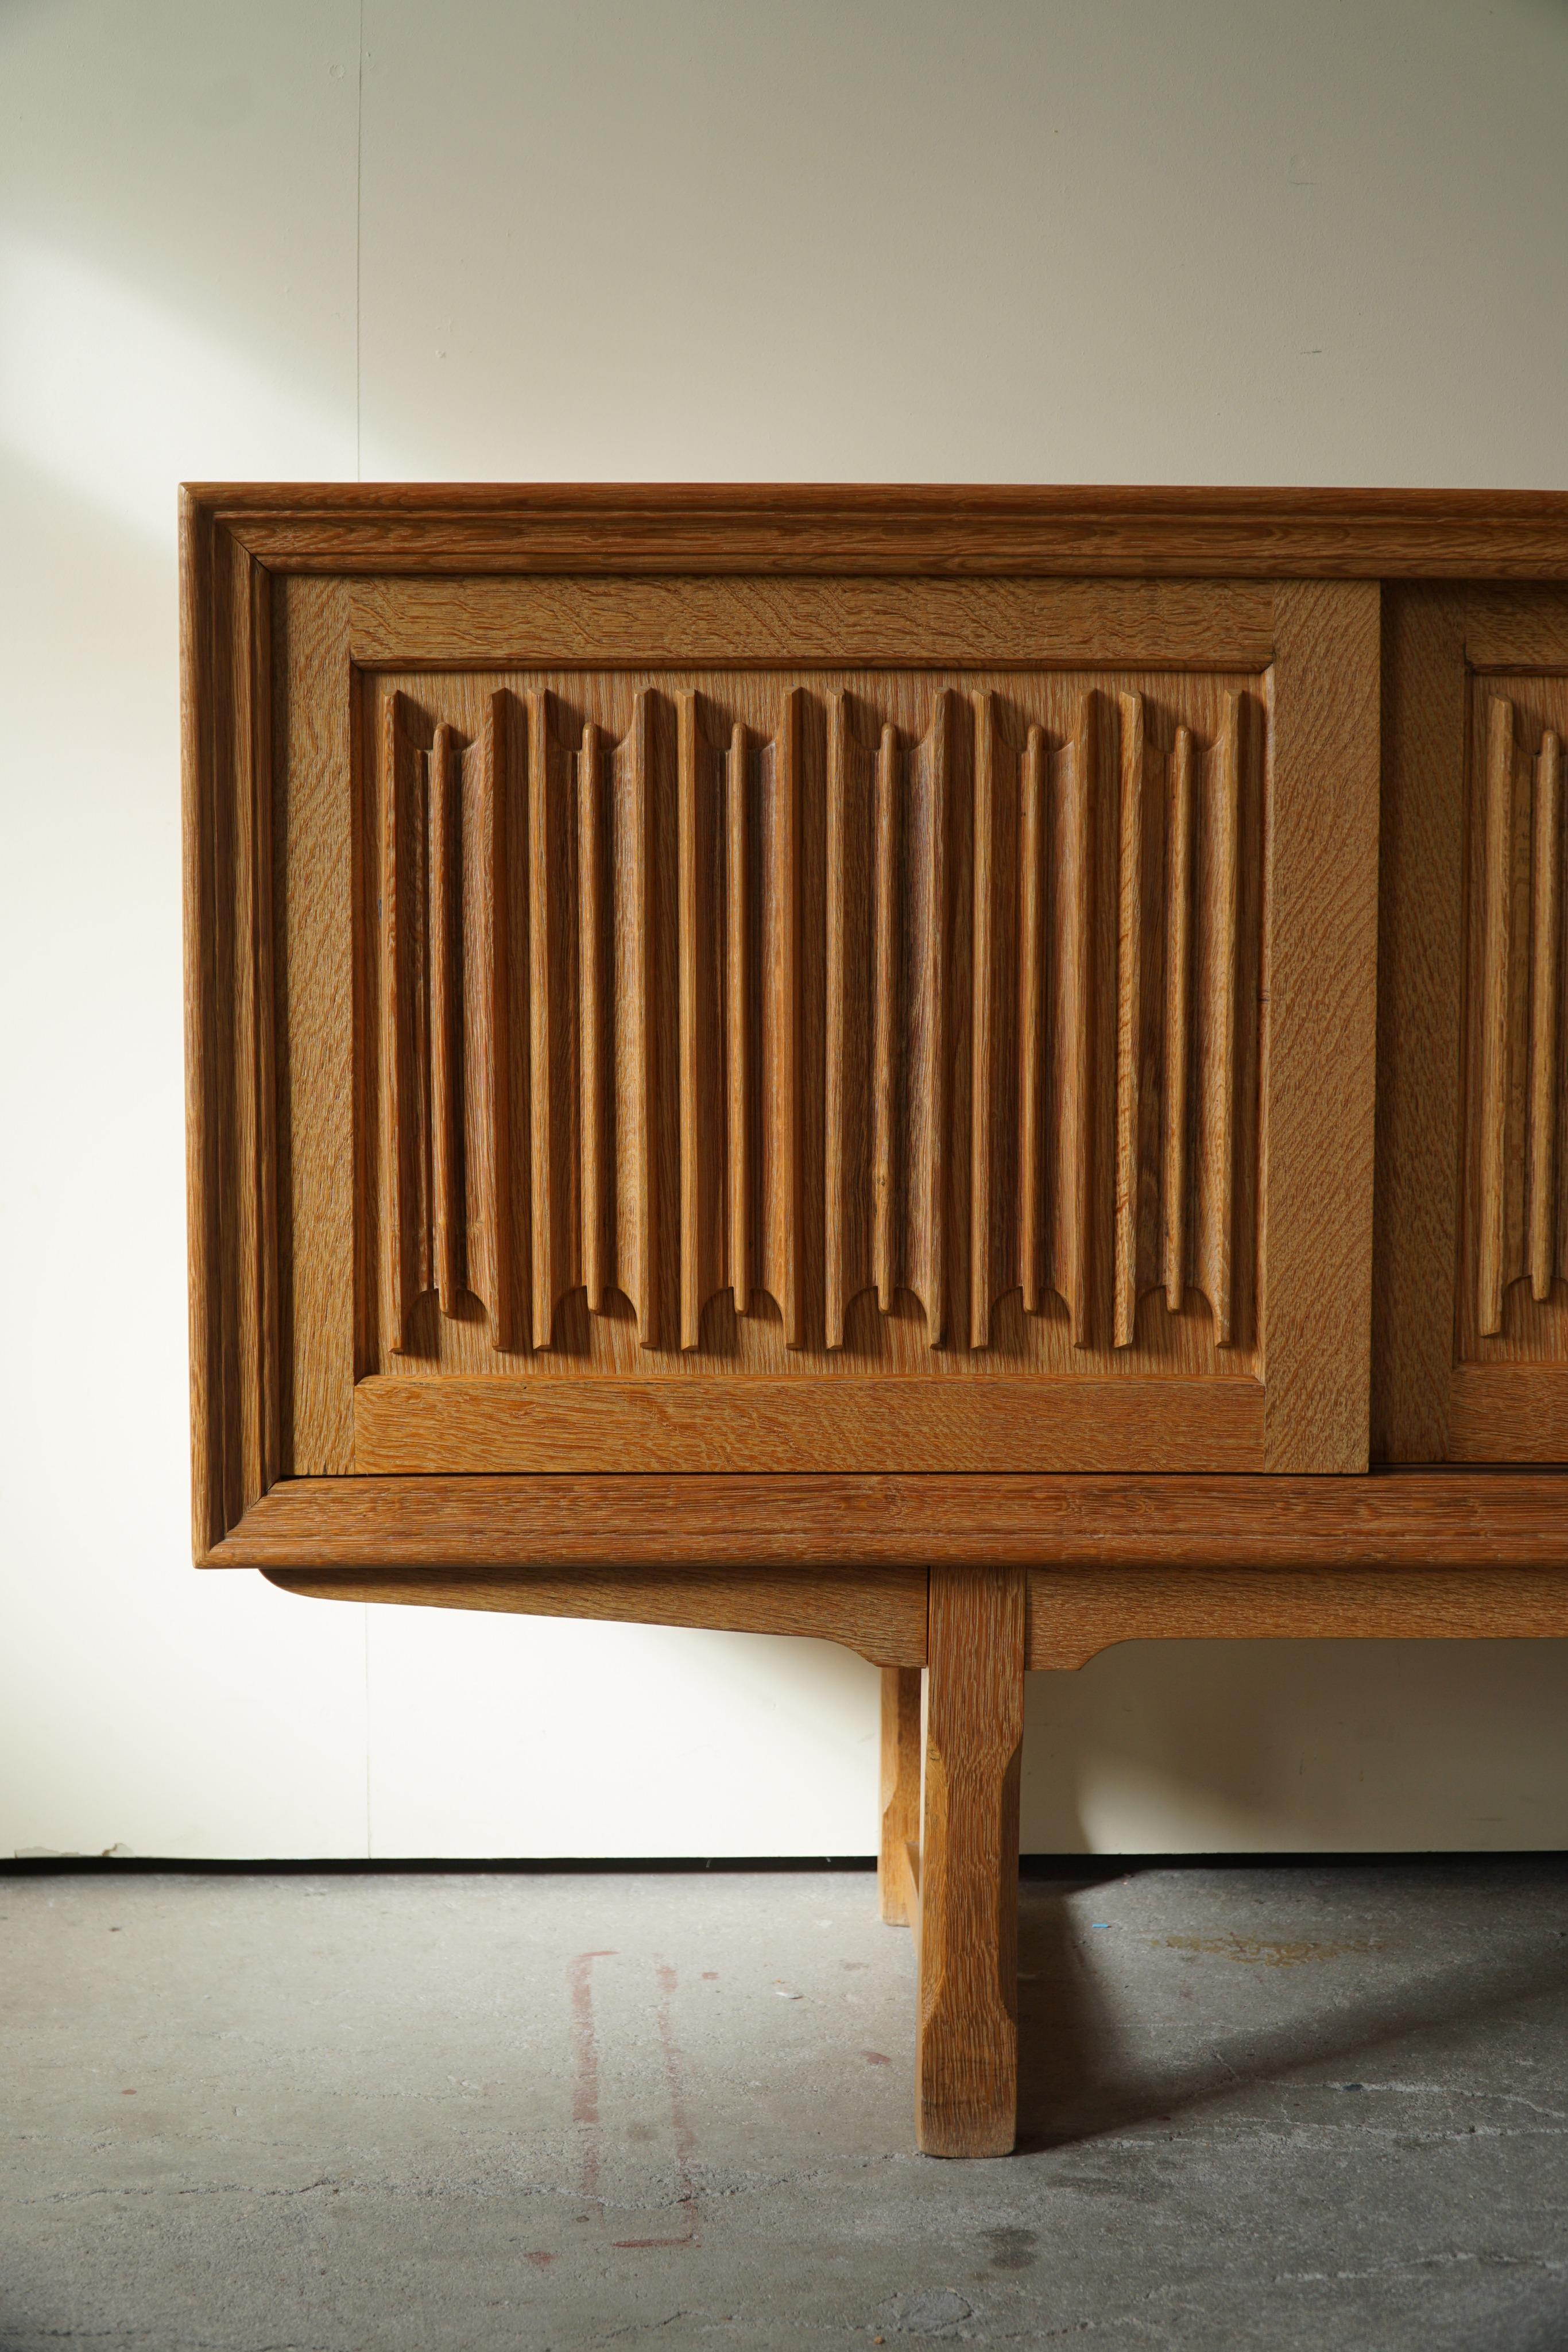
(966, 2036)
(901, 1757)
(608, 1423)
(1178, 1021)
(280, 696)
(1512, 1280)
(882, 1613)
(237, 1401)
(1260, 534)
(844, 1032)
(1420, 960)
(324, 1062)
(1076, 1613)
(904, 1866)
(1450, 1519)
(580, 621)
(1507, 1412)
(1501, 1033)
(1517, 1223)
(1321, 981)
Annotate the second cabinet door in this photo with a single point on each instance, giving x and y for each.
(1473, 1300)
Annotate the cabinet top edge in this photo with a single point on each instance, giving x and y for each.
(848, 528)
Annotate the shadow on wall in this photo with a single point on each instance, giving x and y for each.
(1279, 1746)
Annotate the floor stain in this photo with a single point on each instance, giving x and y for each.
(1272, 1954)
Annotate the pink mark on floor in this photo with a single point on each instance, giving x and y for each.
(585, 2088)
(680, 2119)
(539, 2261)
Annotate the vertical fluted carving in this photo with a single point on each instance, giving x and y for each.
(1072, 927)
(698, 938)
(1519, 1221)
(783, 1237)
(886, 921)
(851, 993)
(1033, 1017)
(1178, 1040)
(927, 1043)
(448, 1203)
(849, 1011)
(995, 1111)
(1498, 993)
(1545, 983)
(402, 1019)
(1218, 886)
(638, 1072)
(488, 1072)
(739, 1014)
(593, 1011)
(553, 1018)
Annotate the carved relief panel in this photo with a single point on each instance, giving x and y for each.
(1514, 1302)
(775, 1062)
(733, 1019)
(1473, 1176)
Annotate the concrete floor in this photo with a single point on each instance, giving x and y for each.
(1319, 2105)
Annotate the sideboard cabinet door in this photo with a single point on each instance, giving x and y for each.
(826, 1025)
(1472, 1215)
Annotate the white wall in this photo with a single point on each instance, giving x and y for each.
(1136, 240)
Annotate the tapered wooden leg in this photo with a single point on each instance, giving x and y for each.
(900, 1790)
(967, 2060)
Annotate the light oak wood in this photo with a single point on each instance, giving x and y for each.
(881, 1614)
(900, 1831)
(325, 1058)
(1453, 1518)
(906, 1871)
(966, 2036)
(856, 1063)
(1421, 937)
(1177, 533)
(1520, 1224)
(843, 1422)
(1506, 1412)
(1471, 1094)
(580, 621)
(1076, 1613)
(851, 1211)
(1320, 1038)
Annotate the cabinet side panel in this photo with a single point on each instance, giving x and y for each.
(313, 725)
(1421, 924)
(1321, 1028)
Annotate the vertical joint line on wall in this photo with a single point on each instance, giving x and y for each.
(370, 1846)
(359, 218)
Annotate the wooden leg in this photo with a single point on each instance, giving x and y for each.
(967, 2058)
(900, 1790)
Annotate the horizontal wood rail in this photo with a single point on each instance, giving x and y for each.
(872, 527)
(1388, 1519)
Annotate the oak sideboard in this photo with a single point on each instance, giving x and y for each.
(978, 1073)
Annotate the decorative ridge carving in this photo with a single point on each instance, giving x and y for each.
(833, 1014)
(1522, 1230)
